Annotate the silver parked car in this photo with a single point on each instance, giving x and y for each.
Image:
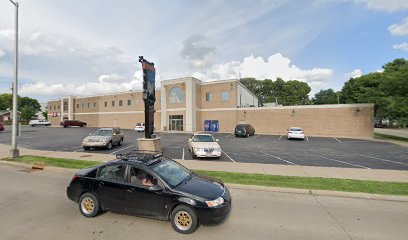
(204, 145)
(103, 138)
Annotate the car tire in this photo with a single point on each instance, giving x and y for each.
(120, 142)
(86, 148)
(84, 125)
(88, 205)
(247, 135)
(65, 126)
(109, 146)
(184, 219)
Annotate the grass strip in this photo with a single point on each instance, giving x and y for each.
(315, 183)
(390, 137)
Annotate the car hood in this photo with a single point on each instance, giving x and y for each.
(203, 187)
(100, 138)
(205, 144)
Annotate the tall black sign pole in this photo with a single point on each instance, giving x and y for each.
(149, 74)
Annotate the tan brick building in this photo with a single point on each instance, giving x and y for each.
(188, 104)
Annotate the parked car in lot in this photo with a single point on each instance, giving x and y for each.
(244, 130)
(296, 132)
(103, 138)
(140, 127)
(1, 127)
(153, 186)
(73, 123)
(34, 123)
(204, 145)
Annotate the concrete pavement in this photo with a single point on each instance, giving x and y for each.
(393, 132)
(34, 206)
(271, 169)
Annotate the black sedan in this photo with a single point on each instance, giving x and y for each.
(153, 186)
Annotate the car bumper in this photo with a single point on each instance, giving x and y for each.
(72, 194)
(298, 136)
(94, 144)
(139, 129)
(214, 215)
(240, 134)
(213, 154)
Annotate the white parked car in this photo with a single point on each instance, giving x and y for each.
(140, 127)
(34, 123)
(296, 132)
(204, 145)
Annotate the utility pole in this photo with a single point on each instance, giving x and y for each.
(14, 152)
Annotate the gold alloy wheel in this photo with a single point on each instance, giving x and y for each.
(87, 205)
(183, 220)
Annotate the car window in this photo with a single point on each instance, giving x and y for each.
(115, 173)
(141, 178)
(203, 138)
(295, 129)
(100, 132)
(171, 172)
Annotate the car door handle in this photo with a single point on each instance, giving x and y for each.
(130, 190)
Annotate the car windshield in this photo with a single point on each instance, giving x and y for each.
(240, 127)
(295, 129)
(171, 172)
(100, 132)
(138, 124)
(203, 138)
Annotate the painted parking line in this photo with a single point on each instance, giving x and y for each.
(337, 139)
(307, 138)
(229, 157)
(280, 137)
(335, 160)
(382, 159)
(182, 158)
(122, 149)
(278, 158)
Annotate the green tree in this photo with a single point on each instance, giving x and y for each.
(45, 114)
(6, 101)
(327, 96)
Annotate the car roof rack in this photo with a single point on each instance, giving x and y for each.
(140, 156)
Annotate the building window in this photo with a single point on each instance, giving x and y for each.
(77, 105)
(113, 103)
(89, 105)
(225, 96)
(59, 107)
(106, 104)
(208, 97)
(94, 104)
(176, 95)
(83, 105)
(129, 102)
(120, 103)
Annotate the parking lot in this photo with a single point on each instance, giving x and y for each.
(266, 149)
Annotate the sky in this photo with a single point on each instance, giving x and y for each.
(92, 47)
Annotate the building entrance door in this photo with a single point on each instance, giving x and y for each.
(176, 122)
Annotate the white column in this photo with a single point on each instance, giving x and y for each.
(190, 106)
(70, 108)
(163, 107)
(62, 109)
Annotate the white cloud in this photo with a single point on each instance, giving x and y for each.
(385, 5)
(275, 66)
(400, 29)
(2, 53)
(197, 52)
(403, 46)
(353, 74)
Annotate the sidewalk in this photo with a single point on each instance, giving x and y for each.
(271, 169)
(393, 132)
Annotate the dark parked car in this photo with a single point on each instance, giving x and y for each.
(73, 123)
(153, 186)
(244, 130)
(1, 127)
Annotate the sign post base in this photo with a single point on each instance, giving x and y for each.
(146, 144)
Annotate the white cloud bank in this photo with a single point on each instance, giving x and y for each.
(400, 29)
(353, 74)
(275, 66)
(385, 5)
(403, 46)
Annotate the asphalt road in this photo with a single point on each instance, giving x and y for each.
(34, 206)
(267, 149)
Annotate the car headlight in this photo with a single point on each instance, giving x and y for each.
(85, 140)
(199, 149)
(216, 202)
(217, 149)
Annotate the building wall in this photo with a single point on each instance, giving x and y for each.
(245, 98)
(217, 88)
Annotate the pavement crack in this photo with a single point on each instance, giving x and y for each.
(332, 216)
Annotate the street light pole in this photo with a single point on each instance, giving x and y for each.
(14, 152)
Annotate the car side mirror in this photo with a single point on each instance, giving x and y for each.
(217, 140)
(156, 188)
(114, 134)
(90, 134)
(190, 139)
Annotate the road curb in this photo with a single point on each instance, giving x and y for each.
(368, 196)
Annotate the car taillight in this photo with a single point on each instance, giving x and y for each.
(73, 178)
(301, 132)
(290, 132)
